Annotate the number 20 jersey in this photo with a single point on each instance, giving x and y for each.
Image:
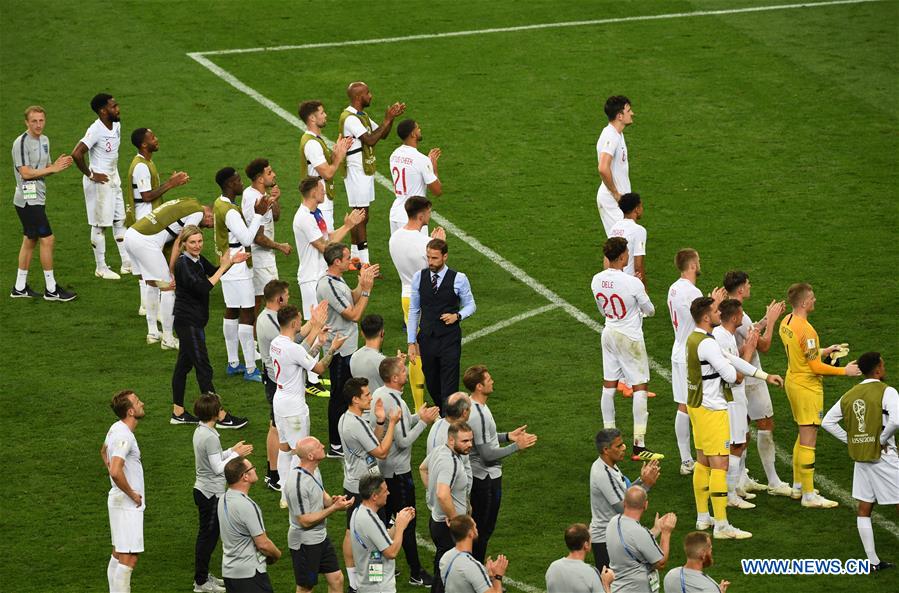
(622, 299)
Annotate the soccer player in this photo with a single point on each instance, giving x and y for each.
(870, 411)
(209, 462)
(464, 573)
(375, 548)
(611, 152)
(232, 232)
(360, 164)
(145, 241)
(805, 389)
(761, 411)
(276, 295)
(246, 548)
(291, 362)
(31, 166)
(622, 299)
(263, 184)
(125, 502)
(681, 295)
(690, 577)
(414, 174)
(486, 456)
(408, 250)
(310, 506)
(366, 361)
(710, 373)
(572, 574)
(318, 159)
(102, 185)
(631, 206)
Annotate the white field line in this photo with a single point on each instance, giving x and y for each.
(609, 21)
(486, 331)
(426, 544)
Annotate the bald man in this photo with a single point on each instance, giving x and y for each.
(634, 555)
(310, 505)
(360, 164)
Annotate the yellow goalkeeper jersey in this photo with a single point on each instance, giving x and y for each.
(804, 366)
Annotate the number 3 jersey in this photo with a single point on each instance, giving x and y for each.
(623, 300)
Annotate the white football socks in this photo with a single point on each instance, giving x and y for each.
(284, 460)
(245, 336)
(866, 532)
(118, 233)
(50, 280)
(151, 305)
(98, 242)
(110, 572)
(641, 417)
(229, 328)
(21, 279)
(351, 577)
(123, 579)
(607, 407)
(363, 255)
(167, 311)
(682, 431)
(765, 444)
(733, 476)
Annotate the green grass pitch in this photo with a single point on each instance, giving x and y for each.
(766, 140)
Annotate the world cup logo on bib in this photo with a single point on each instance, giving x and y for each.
(859, 408)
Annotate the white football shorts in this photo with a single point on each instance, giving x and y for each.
(262, 275)
(877, 481)
(360, 188)
(679, 382)
(104, 201)
(759, 401)
(624, 359)
(239, 293)
(126, 524)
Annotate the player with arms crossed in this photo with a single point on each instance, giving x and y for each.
(870, 411)
(413, 173)
(805, 389)
(622, 299)
(611, 152)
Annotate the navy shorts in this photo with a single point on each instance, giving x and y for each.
(34, 221)
(312, 560)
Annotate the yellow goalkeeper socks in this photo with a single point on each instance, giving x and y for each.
(701, 488)
(807, 468)
(718, 493)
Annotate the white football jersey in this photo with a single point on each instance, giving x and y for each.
(291, 363)
(411, 172)
(681, 295)
(741, 335)
(262, 256)
(120, 442)
(408, 250)
(636, 240)
(103, 146)
(623, 300)
(306, 230)
(611, 142)
(728, 343)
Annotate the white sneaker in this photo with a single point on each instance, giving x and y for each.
(738, 503)
(216, 580)
(816, 501)
(142, 311)
(796, 493)
(702, 525)
(209, 586)
(126, 268)
(153, 338)
(686, 467)
(750, 485)
(106, 274)
(744, 494)
(170, 343)
(782, 489)
(730, 532)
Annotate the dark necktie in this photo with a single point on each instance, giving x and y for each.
(434, 279)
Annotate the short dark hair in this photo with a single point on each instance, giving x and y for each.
(734, 280)
(99, 102)
(371, 325)
(456, 427)
(473, 376)
(700, 306)
(629, 202)
(576, 536)
(334, 252)
(287, 314)
(438, 245)
(307, 184)
(256, 168)
(460, 526)
(234, 470)
(457, 408)
(137, 137)
(308, 108)
(207, 406)
(868, 362)
(389, 367)
(416, 204)
(274, 288)
(223, 175)
(405, 127)
(369, 485)
(121, 403)
(614, 247)
(604, 438)
(684, 257)
(615, 105)
(728, 308)
(695, 543)
(353, 388)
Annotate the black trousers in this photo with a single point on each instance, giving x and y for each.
(443, 541)
(191, 355)
(440, 359)
(340, 373)
(600, 555)
(402, 495)
(207, 535)
(486, 496)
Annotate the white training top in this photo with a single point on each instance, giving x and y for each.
(408, 250)
(120, 442)
(306, 230)
(141, 182)
(636, 240)
(239, 232)
(103, 146)
(411, 172)
(353, 127)
(611, 141)
(741, 335)
(728, 343)
(291, 363)
(623, 300)
(262, 256)
(681, 295)
(713, 362)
